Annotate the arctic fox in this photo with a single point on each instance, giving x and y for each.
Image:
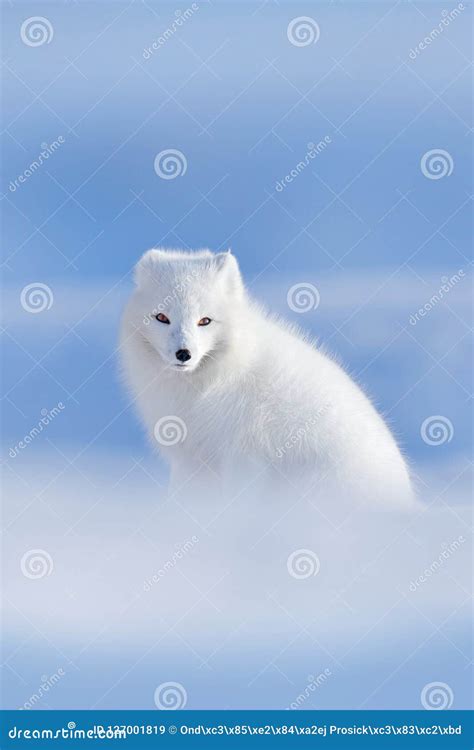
(234, 394)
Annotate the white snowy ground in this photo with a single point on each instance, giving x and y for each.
(224, 618)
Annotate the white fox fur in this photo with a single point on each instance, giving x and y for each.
(256, 400)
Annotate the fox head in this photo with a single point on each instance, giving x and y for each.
(184, 302)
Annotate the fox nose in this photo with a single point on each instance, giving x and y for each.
(183, 355)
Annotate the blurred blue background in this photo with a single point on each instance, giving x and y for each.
(361, 222)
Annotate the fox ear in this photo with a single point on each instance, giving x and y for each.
(146, 265)
(228, 268)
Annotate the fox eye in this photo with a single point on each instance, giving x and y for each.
(162, 318)
(204, 322)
